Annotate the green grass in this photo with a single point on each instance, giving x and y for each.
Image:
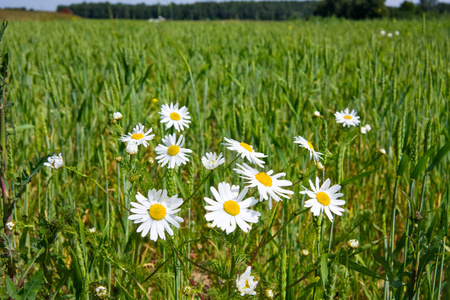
(257, 82)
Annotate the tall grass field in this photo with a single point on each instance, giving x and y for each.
(349, 212)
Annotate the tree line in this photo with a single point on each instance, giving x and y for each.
(261, 10)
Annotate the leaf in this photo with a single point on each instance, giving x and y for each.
(441, 153)
(397, 284)
(421, 164)
(324, 269)
(383, 263)
(403, 164)
(357, 177)
(10, 287)
(31, 288)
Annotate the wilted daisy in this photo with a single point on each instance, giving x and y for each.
(365, 129)
(353, 243)
(305, 144)
(132, 148)
(246, 283)
(269, 186)
(101, 292)
(171, 151)
(10, 225)
(324, 198)
(155, 213)
(55, 161)
(174, 116)
(211, 161)
(317, 114)
(246, 151)
(228, 209)
(117, 116)
(139, 136)
(347, 118)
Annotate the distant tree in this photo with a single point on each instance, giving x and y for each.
(428, 4)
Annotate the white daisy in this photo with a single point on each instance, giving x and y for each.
(155, 213)
(55, 161)
(211, 161)
(383, 32)
(389, 34)
(117, 116)
(228, 209)
(138, 136)
(365, 129)
(171, 151)
(397, 33)
(347, 118)
(132, 148)
(305, 144)
(246, 151)
(174, 116)
(324, 198)
(246, 283)
(269, 186)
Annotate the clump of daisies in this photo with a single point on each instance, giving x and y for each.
(246, 151)
(347, 118)
(246, 283)
(55, 161)
(174, 116)
(365, 129)
(324, 198)
(171, 151)
(155, 213)
(211, 160)
(230, 209)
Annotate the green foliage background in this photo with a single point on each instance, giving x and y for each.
(252, 81)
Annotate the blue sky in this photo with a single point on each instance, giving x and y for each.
(50, 5)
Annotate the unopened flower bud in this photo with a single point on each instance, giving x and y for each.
(317, 114)
(382, 151)
(353, 244)
(132, 148)
(10, 225)
(118, 158)
(151, 160)
(188, 290)
(101, 291)
(270, 294)
(320, 166)
(117, 116)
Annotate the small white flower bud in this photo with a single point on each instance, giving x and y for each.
(10, 225)
(101, 291)
(305, 252)
(353, 244)
(117, 116)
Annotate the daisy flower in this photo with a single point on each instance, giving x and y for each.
(347, 118)
(55, 161)
(305, 144)
(101, 291)
(246, 283)
(139, 136)
(389, 34)
(397, 33)
(324, 198)
(228, 209)
(171, 151)
(155, 213)
(211, 161)
(365, 129)
(269, 186)
(174, 116)
(353, 243)
(246, 151)
(383, 32)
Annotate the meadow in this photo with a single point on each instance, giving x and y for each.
(259, 83)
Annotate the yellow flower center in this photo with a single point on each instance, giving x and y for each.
(231, 207)
(137, 136)
(310, 145)
(173, 150)
(175, 116)
(246, 147)
(247, 286)
(323, 198)
(157, 212)
(348, 117)
(264, 179)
